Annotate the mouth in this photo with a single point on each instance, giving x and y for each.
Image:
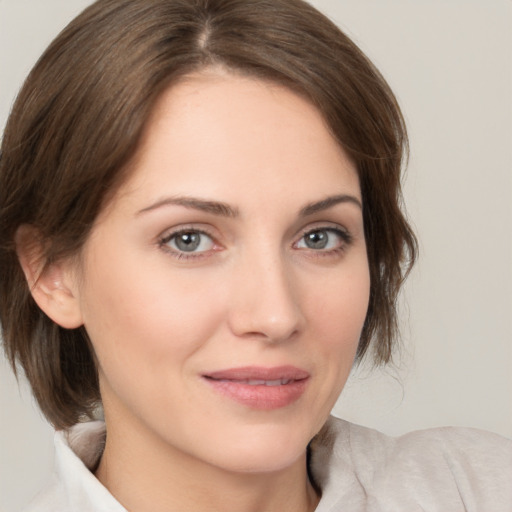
(259, 387)
(257, 382)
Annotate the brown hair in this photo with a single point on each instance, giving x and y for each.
(80, 114)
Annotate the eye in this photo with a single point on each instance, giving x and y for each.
(189, 241)
(323, 239)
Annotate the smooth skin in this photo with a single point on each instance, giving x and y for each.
(236, 241)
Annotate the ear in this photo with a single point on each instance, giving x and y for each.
(53, 286)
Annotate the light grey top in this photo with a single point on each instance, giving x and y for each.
(358, 469)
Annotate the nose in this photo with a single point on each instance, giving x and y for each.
(264, 300)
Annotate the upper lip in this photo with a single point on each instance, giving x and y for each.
(259, 373)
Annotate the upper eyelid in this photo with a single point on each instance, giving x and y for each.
(171, 232)
(317, 226)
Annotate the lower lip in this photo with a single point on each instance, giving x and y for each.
(260, 397)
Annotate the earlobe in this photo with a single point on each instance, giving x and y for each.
(53, 286)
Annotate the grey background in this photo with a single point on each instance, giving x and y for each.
(450, 64)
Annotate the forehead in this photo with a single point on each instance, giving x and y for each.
(220, 135)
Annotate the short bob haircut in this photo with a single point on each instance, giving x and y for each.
(78, 119)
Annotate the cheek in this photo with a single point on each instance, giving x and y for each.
(339, 304)
(337, 312)
(142, 316)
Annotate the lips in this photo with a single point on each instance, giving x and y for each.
(259, 387)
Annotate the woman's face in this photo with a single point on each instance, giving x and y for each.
(225, 287)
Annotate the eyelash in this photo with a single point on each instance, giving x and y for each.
(344, 235)
(182, 255)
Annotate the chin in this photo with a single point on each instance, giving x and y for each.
(262, 449)
(258, 461)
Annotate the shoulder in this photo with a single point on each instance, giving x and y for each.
(74, 486)
(51, 499)
(45, 502)
(435, 469)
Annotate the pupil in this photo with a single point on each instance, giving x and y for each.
(188, 241)
(316, 240)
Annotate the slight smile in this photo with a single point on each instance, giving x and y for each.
(260, 387)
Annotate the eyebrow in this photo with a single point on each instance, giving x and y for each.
(329, 202)
(225, 210)
(193, 203)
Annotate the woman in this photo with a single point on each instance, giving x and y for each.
(213, 236)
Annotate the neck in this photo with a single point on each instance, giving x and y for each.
(147, 475)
